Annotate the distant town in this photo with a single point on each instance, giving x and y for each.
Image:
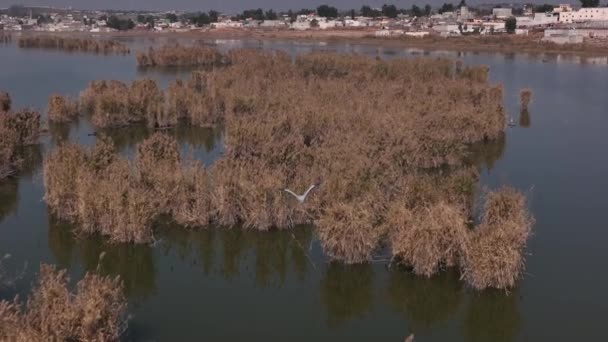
(564, 23)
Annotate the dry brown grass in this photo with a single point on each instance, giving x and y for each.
(62, 109)
(176, 55)
(99, 192)
(496, 254)
(428, 238)
(525, 97)
(71, 44)
(94, 312)
(390, 139)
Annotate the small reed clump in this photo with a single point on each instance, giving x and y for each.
(62, 109)
(95, 311)
(5, 101)
(495, 257)
(525, 97)
(17, 129)
(428, 238)
(94, 46)
(181, 56)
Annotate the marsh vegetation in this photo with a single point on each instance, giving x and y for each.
(177, 55)
(72, 44)
(391, 141)
(95, 311)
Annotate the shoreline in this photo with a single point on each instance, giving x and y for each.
(511, 44)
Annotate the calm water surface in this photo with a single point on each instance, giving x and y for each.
(220, 284)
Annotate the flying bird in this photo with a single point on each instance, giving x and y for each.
(302, 198)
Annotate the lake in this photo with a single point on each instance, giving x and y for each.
(220, 284)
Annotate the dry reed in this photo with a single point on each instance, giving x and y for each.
(181, 56)
(94, 312)
(95, 46)
(390, 139)
(429, 237)
(17, 129)
(62, 109)
(496, 254)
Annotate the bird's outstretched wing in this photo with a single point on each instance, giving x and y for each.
(309, 189)
(291, 192)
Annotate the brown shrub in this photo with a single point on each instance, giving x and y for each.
(495, 258)
(71, 44)
(429, 237)
(62, 109)
(94, 312)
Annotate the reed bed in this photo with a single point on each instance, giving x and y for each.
(95, 46)
(62, 109)
(94, 312)
(177, 55)
(389, 139)
(116, 104)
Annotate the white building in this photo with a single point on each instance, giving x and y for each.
(447, 29)
(273, 23)
(539, 19)
(300, 25)
(584, 14)
(502, 13)
(227, 24)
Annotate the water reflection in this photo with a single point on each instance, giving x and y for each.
(188, 135)
(347, 292)
(524, 119)
(8, 197)
(424, 302)
(485, 154)
(492, 316)
(59, 132)
(133, 263)
(227, 252)
(31, 162)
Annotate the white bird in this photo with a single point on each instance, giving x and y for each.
(302, 198)
(511, 122)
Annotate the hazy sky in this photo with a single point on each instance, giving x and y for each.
(231, 6)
